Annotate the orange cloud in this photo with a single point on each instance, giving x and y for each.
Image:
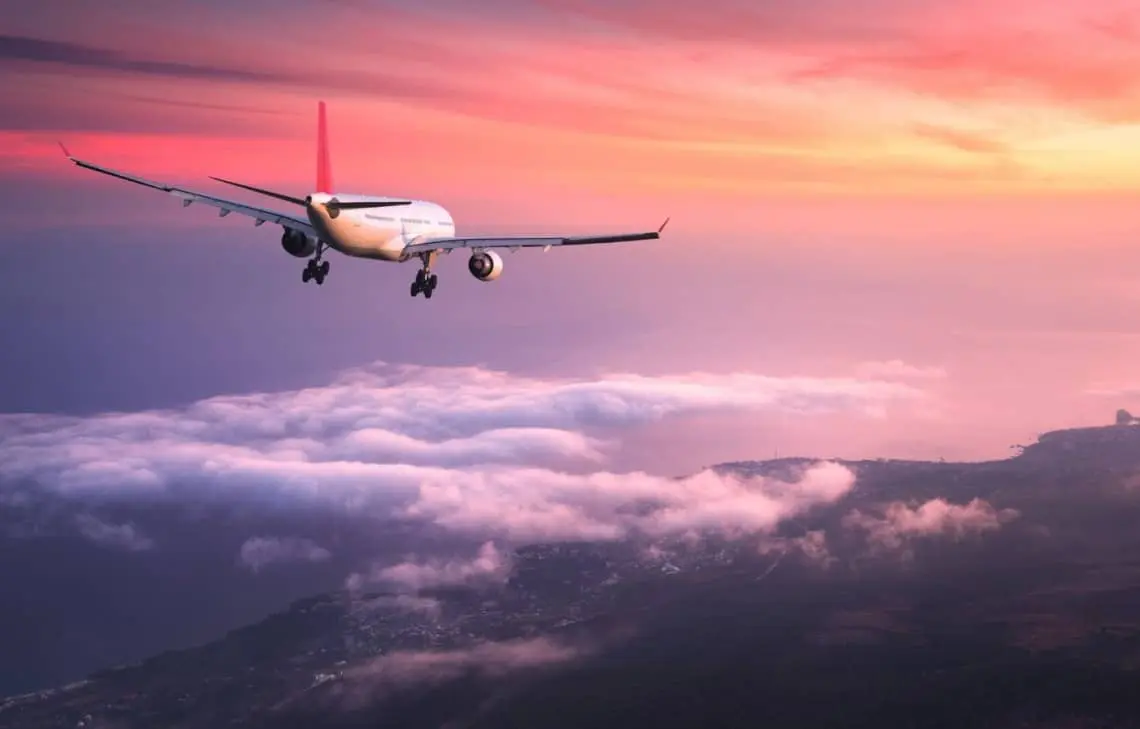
(754, 98)
(967, 141)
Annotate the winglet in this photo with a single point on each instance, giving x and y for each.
(65, 152)
(662, 228)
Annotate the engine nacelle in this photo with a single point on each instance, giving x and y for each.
(485, 265)
(297, 243)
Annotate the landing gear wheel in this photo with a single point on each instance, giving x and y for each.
(425, 283)
(315, 271)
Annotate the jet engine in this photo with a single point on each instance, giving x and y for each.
(297, 243)
(485, 265)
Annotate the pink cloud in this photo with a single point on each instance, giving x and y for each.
(1072, 66)
(530, 506)
(811, 546)
(718, 101)
(114, 536)
(490, 564)
(256, 553)
(402, 669)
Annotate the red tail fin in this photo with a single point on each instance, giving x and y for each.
(324, 168)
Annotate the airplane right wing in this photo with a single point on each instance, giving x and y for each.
(225, 207)
(527, 241)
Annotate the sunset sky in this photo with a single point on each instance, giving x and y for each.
(935, 192)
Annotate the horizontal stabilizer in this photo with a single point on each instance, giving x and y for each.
(332, 204)
(365, 204)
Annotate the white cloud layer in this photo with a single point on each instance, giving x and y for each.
(900, 524)
(417, 416)
(531, 505)
(896, 369)
(468, 449)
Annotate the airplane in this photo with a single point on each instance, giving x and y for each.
(372, 227)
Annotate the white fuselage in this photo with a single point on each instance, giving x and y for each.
(378, 233)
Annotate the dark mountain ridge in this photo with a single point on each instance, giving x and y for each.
(1033, 624)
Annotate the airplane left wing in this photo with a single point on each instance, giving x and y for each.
(225, 207)
(527, 241)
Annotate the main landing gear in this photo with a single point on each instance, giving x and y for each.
(315, 269)
(426, 281)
